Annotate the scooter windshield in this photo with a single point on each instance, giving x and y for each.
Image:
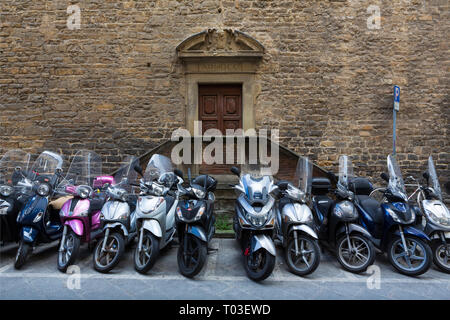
(303, 175)
(46, 164)
(396, 183)
(9, 162)
(256, 170)
(345, 171)
(434, 178)
(85, 167)
(126, 173)
(160, 169)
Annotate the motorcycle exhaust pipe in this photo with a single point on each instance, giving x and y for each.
(105, 239)
(63, 239)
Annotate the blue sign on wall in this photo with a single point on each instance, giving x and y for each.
(397, 98)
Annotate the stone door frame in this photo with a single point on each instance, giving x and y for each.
(220, 57)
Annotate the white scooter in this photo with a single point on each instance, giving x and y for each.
(155, 210)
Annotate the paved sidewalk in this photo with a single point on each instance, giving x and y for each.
(222, 278)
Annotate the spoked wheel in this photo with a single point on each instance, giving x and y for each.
(415, 261)
(357, 255)
(105, 261)
(69, 253)
(191, 259)
(259, 265)
(22, 254)
(146, 258)
(304, 260)
(441, 255)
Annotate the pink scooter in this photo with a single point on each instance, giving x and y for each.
(80, 215)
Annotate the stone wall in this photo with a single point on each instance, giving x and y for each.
(115, 85)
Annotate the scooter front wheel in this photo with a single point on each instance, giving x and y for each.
(191, 259)
(145, 258)
(441, 254)
(69, 252)
(22, 254)
(306, 258)
(415, 261)
(105, 261)
(357, 255)
(259, 265)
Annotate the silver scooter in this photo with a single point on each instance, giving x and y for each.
(295, 223)
(155, 211)
(119, 226)
(254, 220)
(437, 216)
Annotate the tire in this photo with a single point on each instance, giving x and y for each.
(22, 254)
(70, 253)
(394, 251)
(439, 255)
(144, 261)
(115, 247)
(265, 266)
(309, 256)
(367, 251)
(201, 250)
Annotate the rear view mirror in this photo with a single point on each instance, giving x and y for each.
(236, 171)
(138, 169)
(179, 173)
(384, 176)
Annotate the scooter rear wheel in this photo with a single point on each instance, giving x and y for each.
(22, 254)
(108, 260)
(70, 251)
(191, 259)
(440, 256)
(146, 258)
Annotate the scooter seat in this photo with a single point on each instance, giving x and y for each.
(372, 207)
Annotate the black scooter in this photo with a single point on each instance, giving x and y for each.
(195, 222)
(338, 223)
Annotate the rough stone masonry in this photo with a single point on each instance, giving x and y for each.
(114, 84)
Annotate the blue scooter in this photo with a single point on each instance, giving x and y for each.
(37, 222)
(391, 222)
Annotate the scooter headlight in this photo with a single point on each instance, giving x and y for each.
(200, 213)
(43, 189)
(6, 191)
(345, 210)
(257, 220)
(198, 193)
(439, 215)
(83, 192)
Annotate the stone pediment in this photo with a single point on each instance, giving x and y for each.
(214, 43)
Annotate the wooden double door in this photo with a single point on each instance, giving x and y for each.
(220, 106)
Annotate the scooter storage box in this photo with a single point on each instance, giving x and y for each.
(361, 186)
(320, 186)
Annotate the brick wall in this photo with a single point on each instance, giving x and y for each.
(116, 86)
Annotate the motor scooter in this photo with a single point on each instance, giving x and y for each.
(13, 164)
(37, 221)
(295, 227)
(80, 215)
(119, 225)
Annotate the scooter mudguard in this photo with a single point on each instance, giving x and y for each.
(114, 225)
(152, 226)
(29, 234)
(197, 232)
(76, 225)
(354, 228)
(408, 230)
(261, 241)
(306, 229)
